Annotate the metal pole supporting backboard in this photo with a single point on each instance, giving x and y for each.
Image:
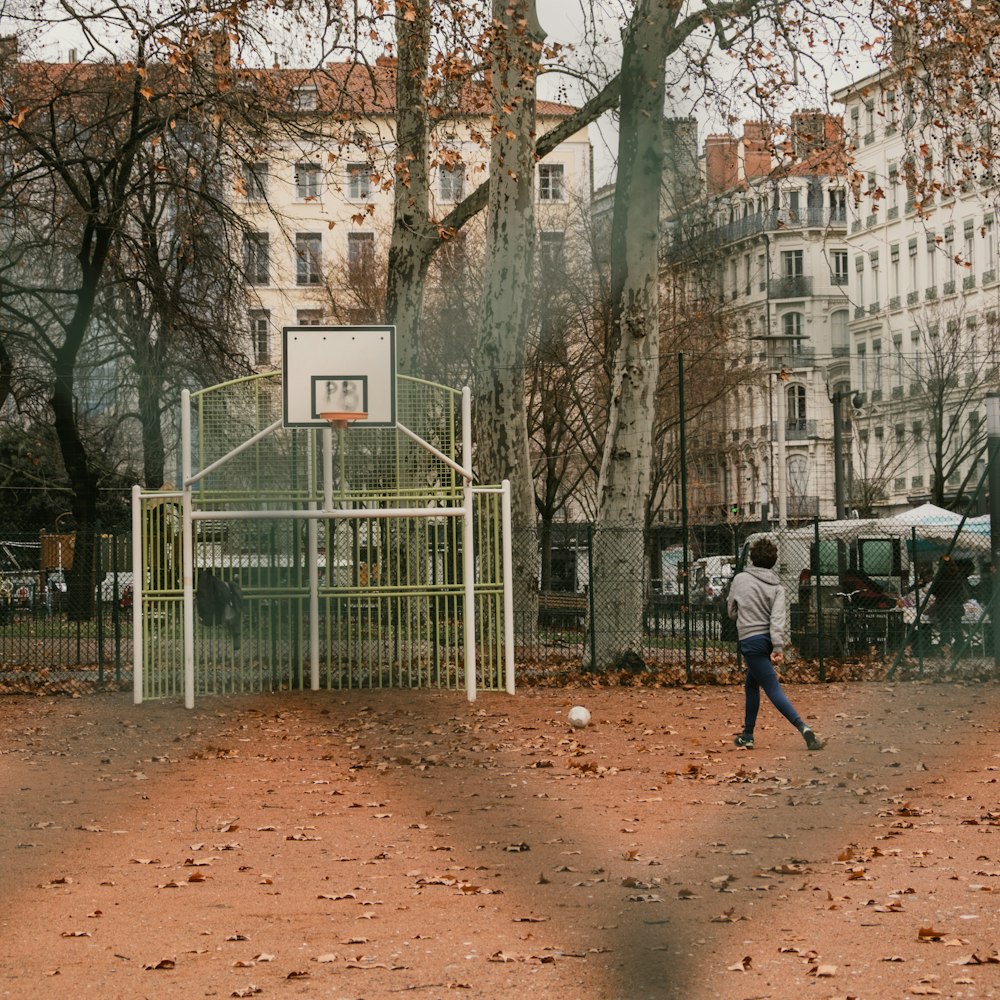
(468, 549)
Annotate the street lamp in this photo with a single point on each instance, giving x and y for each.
(838, 446)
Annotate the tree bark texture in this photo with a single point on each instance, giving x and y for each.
(623, 486)
(413, 238)
(500, 411)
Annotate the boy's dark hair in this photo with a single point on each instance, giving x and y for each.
(764, 553)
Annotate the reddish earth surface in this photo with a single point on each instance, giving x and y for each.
(376, 845)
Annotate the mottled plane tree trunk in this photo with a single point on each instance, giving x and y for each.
(412, 232)
(501, 349)
(623, 486)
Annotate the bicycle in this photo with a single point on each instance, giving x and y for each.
(845, 636)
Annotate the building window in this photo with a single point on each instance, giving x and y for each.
(255, 177)
(949, 250)
(309, 317)
(260, 336)
(793, 206)
(552, 244)
(308, 258)
(839, 338)
(306, 99)
(360, 254)
(257, 258)
(793, 326)
(451, 181)
(359, 181)
(795, 398)
(838, 259)
(307, 181)
(792, 264)
(551, 186)
(838, 205)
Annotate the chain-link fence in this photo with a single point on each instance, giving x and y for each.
(903, 596)
(878, 598)
(45, 644)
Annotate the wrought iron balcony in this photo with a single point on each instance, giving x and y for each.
(791, 287)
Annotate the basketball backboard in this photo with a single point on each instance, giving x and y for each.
(339, 368)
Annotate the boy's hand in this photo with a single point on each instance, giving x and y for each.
(777, 657)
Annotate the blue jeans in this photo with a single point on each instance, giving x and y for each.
(756, 650)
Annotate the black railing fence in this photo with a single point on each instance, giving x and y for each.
(46, 645)
(876, 598)
(865, 598)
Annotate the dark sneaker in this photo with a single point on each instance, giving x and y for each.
(813, 742)
(744, 740)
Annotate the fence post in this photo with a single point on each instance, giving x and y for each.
(819, 600)
(920, 603)
(116, 617)
(592, 628)
(99, 574)
(682, 440)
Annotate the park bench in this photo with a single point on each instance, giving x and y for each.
(561, 609)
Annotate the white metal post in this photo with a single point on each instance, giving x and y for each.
(327, 433)
(508, 586)
(312, 535)
(468, 548)
(187, 549)
(137, 581)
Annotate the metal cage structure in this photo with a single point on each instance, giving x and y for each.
(321, 558)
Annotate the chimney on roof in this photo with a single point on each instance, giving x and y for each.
(811, 132)
(756, 150)
(71, 56)
(681, 176)
(903, 41)
(8, 49)
(721, 163)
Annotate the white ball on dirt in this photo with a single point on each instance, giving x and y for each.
(578, 717)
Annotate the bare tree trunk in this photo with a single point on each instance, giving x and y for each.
(82, 479)
(412, 234)
(501, 410)
(150, 391)
(623, 486)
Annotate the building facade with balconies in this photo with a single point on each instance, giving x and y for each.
(925, 297)
(319, 197)
(763, 253)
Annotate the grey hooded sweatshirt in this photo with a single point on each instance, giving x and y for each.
(757, 602)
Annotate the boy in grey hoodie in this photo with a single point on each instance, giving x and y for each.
(757, 602)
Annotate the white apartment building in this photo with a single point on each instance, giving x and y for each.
(763, 257)
(321, 202)
(925, 299)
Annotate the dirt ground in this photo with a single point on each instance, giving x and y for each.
(374, 845)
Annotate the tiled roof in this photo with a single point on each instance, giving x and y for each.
(342, 89)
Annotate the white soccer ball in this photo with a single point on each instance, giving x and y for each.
(578, 717)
